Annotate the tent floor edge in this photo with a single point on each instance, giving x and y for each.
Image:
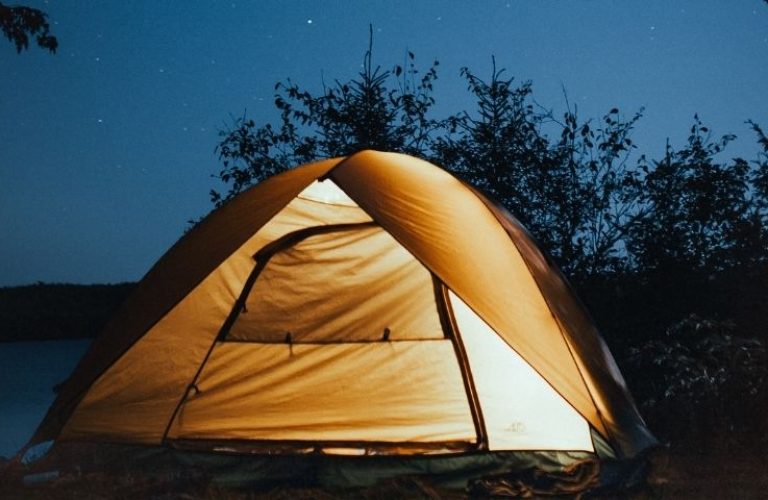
(323, 448)
(268, 471)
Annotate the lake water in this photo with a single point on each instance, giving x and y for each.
(28, 373)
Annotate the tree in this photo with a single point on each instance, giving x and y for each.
(593, 199)
(572, 193)
(19, 23)
(697, 209)
(499, 148)
(696, 243)
(380, 109)
(759, 177)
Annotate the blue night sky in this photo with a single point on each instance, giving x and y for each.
(107, 147)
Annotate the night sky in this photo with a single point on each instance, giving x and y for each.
(107, 147)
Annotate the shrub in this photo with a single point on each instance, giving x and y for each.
(702, 383)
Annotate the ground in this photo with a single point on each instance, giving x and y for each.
(673, 474)
(718, 474)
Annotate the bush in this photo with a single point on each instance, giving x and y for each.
(703, 384)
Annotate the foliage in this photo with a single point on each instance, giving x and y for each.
(502, 147)
(19, 23)
(759, 179)
(698, 212)
(385, 110)
(572, 192)
(707, 380)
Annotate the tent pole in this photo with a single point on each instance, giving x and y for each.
(451, 330)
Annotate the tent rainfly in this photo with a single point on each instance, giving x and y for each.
(367, 305)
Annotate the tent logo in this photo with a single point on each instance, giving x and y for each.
(516, 427)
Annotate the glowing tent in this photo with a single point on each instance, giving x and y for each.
(369, 305)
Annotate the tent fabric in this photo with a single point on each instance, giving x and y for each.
(596, 363)
(344, 285)
(447, 227)
(522, 412)
(373, 304)
(178, 342)
(357, 392)
(188, 262)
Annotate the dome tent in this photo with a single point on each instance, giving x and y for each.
(368, 305)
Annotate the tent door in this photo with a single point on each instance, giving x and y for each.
(452, 331)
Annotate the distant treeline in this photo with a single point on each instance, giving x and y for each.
(57, 311)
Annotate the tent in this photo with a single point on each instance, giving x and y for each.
(372, 305)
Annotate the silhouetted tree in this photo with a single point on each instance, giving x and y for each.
(572, 193)
(19, 23)
(380, 109)
(760, 175)
(499, 147)
(698, 209)
(603, 198)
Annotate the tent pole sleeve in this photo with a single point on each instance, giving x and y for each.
(264, 255)
(452, 331)
(261, 263)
